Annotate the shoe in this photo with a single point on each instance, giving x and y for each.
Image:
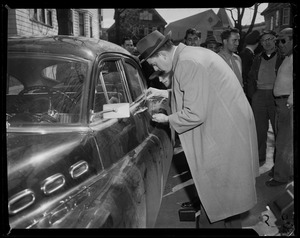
(274, 183)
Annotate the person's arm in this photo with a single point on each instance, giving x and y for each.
(193, 80)
(155, 92)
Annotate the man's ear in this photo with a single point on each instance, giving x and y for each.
(162, 54)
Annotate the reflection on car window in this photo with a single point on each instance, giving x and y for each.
(44, 90)
(114, 92)
(134, 81)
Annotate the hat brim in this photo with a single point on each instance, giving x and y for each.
(167, 37)
(156, 74)
(267, 33)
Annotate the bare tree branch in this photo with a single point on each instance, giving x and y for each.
(231, 13)
(253, 17)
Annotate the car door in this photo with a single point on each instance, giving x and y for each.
(158, 140)
(50, 166)
(130, 152)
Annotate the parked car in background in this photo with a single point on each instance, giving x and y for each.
(82, 151)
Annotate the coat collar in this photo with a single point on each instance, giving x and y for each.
(250, 49)
(178, 50)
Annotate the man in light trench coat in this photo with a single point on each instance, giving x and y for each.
(213, 119)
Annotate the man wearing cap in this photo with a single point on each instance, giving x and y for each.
(214, 122)
(212, 43)
(282, 171)
(247, 56)
(260, 85)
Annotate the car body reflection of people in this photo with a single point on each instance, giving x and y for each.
(208, 106)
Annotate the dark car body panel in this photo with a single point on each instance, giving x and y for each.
(84, 173)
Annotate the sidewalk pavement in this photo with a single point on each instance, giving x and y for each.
(180, 188)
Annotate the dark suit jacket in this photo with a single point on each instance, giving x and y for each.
(247, 57)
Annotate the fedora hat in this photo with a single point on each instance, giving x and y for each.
(211, 39)
(148, 45)
(286, 32)
(270, 32)
(156, 74)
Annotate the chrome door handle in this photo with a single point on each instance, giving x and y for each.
(20, 201)
(53, 183)
(78, 169)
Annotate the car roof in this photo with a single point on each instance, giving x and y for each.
(84, 47)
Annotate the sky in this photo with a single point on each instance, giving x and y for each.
(174, 14)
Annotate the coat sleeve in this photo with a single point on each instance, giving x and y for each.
(193, 84)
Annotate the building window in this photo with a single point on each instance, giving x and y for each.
(43, 16)
(145, 15)
(286, 16)
(70, 22)
(146, 31)
(91, 27)
(81, 23)
(34, 14)
(277, 18)
(272, 23)
(135, 30)
(49, 17)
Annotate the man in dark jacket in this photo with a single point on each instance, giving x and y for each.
(260, 85)
(247, 56)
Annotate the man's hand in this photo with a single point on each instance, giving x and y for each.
(154, 92)
(160, 118)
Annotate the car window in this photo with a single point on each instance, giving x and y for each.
(44, 89)
(134, 80)
(109, 86)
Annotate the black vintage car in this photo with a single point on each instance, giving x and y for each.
(82, 151)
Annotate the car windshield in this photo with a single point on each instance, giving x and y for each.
(43, 90)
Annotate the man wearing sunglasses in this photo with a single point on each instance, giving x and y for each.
(260, 84)
(282, 171)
